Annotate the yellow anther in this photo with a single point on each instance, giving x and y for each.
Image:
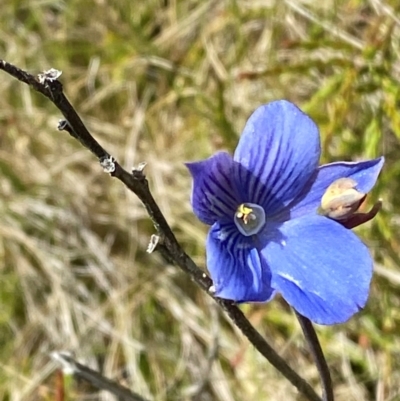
(245, 213)
(249, 219)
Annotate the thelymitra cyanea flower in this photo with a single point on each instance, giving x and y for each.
(280, 222)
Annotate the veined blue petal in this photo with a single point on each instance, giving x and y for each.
(234, 264)
(321, 269)
(364, 173)
(280, 146)
(214, 195)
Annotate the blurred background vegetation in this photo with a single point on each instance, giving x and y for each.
(169, 81)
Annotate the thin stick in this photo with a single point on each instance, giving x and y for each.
(166, 243)
(319, 359)
(96, 379)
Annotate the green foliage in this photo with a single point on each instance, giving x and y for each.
(166, 82)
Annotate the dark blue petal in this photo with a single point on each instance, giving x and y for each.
(280, 146)
(321, 269)
(364, 173)
(234, 264)
(214, 195)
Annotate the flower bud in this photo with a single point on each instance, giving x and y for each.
(341, 199)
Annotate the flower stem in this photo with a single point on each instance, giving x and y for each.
(265, 349)
(319, 359)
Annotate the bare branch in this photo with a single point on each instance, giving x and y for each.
(96, 379)
(167, 244)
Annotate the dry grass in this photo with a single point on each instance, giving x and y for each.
(165, 82)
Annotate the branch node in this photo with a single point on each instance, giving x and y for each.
(64, 125)
(137, 171)
(49, 75)
(154, 240)
(108, 164)
(64, 358)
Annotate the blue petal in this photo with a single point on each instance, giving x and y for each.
(235, 266)
(321, 269)
(214, 195)
(364, 173)
(279, 145)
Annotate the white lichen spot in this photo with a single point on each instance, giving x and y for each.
(108, 164)
(140, 167)
(49, 75)
(154, 240)
(212, 290)
(63, 358)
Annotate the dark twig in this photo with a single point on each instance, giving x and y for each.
(136, 181)
(319, 359)
(95, 378)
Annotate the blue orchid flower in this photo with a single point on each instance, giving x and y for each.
(268, 234)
